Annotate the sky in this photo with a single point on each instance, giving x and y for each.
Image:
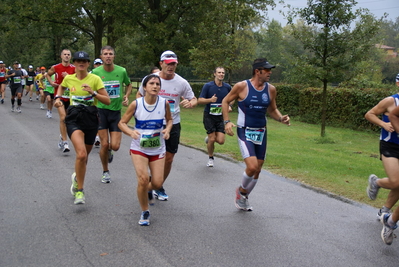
(376, 7)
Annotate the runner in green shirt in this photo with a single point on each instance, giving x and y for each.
(115, 78)
(49, 93)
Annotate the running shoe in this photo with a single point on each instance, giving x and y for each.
(206, 140)
(241, 201)
(151, 201)
(372, 188)
(210, 162)
(30, 99)
(161, 194)
(41, 106)
(145, 218)
(37, 97)
(61, 143)
(79, 198)
(47, 113)
(110, 155)
(65, 147)
(97, 142)
(387, 230)
(50, 114)
(74, 186)
(19, 109)
(106, 179)
(12, 108)
(2, 101)
(381, 211)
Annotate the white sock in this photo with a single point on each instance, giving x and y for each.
(246, 180)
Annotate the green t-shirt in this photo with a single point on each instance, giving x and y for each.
(77, 95)
(113, 82)
(47, 86)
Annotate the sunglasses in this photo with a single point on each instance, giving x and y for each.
(170, 56)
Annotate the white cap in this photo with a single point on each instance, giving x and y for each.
(169, 57)
(98, 61)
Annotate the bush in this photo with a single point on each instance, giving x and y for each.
(346, 106)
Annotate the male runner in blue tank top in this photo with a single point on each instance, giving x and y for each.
(389, 153)
(255, 97)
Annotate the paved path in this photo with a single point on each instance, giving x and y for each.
(199, 226)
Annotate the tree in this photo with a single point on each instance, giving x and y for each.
(331, 46)
(227, 39)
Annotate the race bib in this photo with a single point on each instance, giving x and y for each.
(113, 89)
(82, 100)
(255, 135)
(66, 93)
(17, 79)
(30, 78)
(215, 109)
(2, 74)
(172, 105)
(150, 140)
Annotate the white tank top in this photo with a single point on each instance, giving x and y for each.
(150, 125)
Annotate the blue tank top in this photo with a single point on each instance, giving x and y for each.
(385, 135)
(252, 109)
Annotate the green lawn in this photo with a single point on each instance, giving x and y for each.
(341, 166)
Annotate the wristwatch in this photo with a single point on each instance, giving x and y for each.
(225, 122)
(94, 94)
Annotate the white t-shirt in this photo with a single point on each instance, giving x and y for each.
(172, 91)
(25, 73)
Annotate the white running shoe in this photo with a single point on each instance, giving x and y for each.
(61, 143)
(66, 147)
(41, 106)
(97, 141)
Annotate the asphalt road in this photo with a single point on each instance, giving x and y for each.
(291, 225)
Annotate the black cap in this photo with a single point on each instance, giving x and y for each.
(262, 64)
(80, 55)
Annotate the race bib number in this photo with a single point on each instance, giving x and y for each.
(17, 79)
(113, 89)
(2, 74)
(172, 104)
(150, 140)
(30, 78)
(82, 100)
(215, 109)
(66, 93)
(255, 135)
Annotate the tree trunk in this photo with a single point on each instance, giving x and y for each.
(324, 109)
